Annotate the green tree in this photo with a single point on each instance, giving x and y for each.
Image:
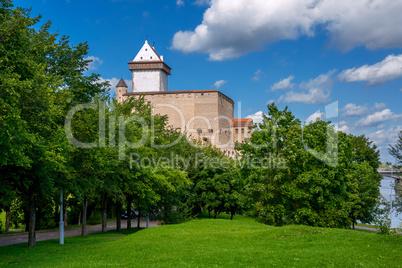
(363, 168)
(396, 150)
(287, 180)
(262, 164)
(38, 76)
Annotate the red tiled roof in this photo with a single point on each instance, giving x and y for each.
(244, 122)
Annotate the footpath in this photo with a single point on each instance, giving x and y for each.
(11, 239)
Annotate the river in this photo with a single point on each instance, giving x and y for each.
(389, 193)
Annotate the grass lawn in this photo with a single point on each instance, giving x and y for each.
(203, 242)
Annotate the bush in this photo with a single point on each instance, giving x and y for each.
(96, 218)
(384, 223)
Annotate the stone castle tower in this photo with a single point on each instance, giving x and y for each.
(149, 71)
(206, 115)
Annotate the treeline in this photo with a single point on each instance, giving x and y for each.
(60, 131)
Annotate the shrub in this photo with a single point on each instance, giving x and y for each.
(96, 218)
(384, 223)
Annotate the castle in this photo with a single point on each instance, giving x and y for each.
(205, 115)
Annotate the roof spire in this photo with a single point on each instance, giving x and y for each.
(121, 83)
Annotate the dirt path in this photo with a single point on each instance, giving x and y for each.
(11, 239)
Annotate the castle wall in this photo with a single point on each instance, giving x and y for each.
(202, 115)
(226, 114)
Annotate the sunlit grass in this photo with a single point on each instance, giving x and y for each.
(208, 242)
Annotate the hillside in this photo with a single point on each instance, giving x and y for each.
(203, 242)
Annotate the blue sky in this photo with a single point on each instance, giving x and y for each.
(304, 54)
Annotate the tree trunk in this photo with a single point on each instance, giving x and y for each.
(26, 216)
(7, 219)
(79, 219)
(232, 212)
(84, 216)
(129, 213)
(209, 213)
(32, 220)
(139, 217)
(104, 214)
(118, 217)
(353, 225)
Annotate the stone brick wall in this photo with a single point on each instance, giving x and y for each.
(202, 115)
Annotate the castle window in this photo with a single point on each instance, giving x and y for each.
(237, 131)
(151, 57)
(189, 95)
(199, 130)
(202, 94)
(177, 95)
(146, 49)
(141, 57)
(205, 139)
(242, 130)
(164, 95)
(210, 130)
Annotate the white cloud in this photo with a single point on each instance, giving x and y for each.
(342, 126)
(113, 82)
(202, 2)
(220, 83)
(352, 110)
(378, 118)
(383, 137)
(180, 3)
(283, 84)
(257, 117)
(95, 61)
(313, 117)
(387, 70)
(231, 28)
(317, 90)
(257, 75)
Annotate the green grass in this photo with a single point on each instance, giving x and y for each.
(203, 242)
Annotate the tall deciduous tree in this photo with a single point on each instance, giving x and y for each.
(38, 76)
(396, 151)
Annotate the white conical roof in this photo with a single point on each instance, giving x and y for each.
(147, 53)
